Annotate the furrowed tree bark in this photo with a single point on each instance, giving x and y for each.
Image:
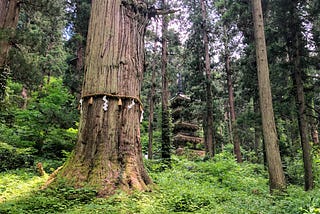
(9, 15)
(209, 142)
(108, 152)
(165, 144)
(276, 174)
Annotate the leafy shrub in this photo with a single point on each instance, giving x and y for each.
(47, 125)
(213, 186)
(154, 165)
(295, 169)
(13, 158)
(156, 144)
(188, 202)
(49, 201)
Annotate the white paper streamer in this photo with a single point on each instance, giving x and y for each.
(105, 104)
(141, 117)
(131, 105)
(81, 101)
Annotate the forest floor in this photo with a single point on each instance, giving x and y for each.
(217, 186)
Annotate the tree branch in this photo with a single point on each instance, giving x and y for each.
(142, 7)
(153, 12)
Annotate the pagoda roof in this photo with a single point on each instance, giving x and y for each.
(180, 97)
(186, 125)
(186, 138)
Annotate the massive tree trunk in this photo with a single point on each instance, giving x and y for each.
(209, 142)
(166, 145)
(108, 153)
(276, 175)
(9, 14)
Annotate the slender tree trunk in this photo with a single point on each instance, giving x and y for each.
(80, 61)
(236, 141)
(81, 28)
(80, 56)
(232, 113)
(314, 124)
(295, 47)
(9, 14)
(108, 153)
(257, 133)
(276, 174)
(302, 118)
(166, 145)
(151, 116)
(24, 95)
(209, 142)
(152, 98)
(79, 66)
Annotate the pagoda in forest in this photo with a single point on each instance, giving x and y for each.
(184, 130)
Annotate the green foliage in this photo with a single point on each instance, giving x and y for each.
(156, 144)
(214, 186)
(46, 122)
(77, 24)
(51, 201)
(18, 183)
(38, 49)
(295, 169)
(48, 125)
(14, 158)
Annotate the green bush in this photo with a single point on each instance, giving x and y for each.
(47, 125)
(14, 158)
(213, 186)
(51, 200)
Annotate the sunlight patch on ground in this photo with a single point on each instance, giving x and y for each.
(18, 183)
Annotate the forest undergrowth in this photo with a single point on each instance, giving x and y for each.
(189, 186)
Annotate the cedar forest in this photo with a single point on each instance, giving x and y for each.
(157, 106)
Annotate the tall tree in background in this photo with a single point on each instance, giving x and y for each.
(166, 144)
(9, 15)
(209, 138)
(232, 112)
(78, 24)
(152, 97)
(295, 46)
(227, 34)
(249, 115)
(315, 19)
(298, 63)
(276, 174)
(108, 153)
(38, 47)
